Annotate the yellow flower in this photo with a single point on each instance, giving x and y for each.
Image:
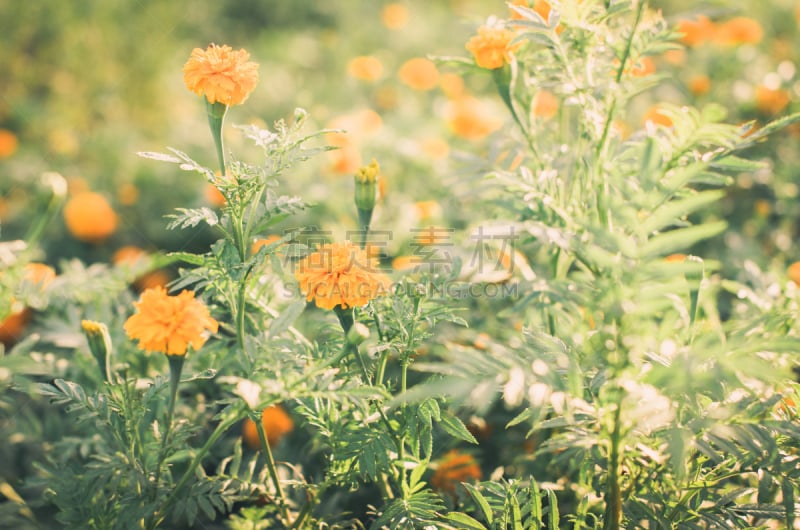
(341, 274)
(491, 47)
(394, 16)
(220, 74)
(170, 324)
(89, 217)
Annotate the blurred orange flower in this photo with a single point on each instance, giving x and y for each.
(89, 217)
(170, 324)
(13, 326)
(655, 115)
(221, 74)
(644, 67)
(341, 274)
(419, 73)
(356, 126)
(739, 30)
(545, 104)
(394, 16)
(794, 272)
(696, 31)
(132, 255)
(455, 467)
(8, 143)
(451, 84)
(276, 422)
(404, 263)
(771, 100)
(427, 209)
(699, 85)
(492, 47)
(435, 148)
(128, 194)
(365, 67)
(469, 118)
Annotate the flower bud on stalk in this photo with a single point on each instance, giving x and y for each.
(366, 193)
(99, 344)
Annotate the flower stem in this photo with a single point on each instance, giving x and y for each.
(236, 415)
(273, 471)
(613, 514)
(175, 369)
(216, 116)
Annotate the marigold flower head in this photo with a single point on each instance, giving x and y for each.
(419, 73)
(545, 104)
(699, 85)
(394, 16)
(471, 119)
(39, 273)
(794, 272)
(696, 31)
(89, 217)
(221, 74)
(8, 143)
(771, 100)
(276, 422)
(170, 324)
(365, 67)
(455, 467)
(739, 30)
(341, 274)
(492, 47)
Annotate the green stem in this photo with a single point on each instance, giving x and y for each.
(175, 369)
(613, 514)
(216, 116)
(273, 471)
(224, 425)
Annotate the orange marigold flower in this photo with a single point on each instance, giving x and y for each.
(696, 31)
(771, 100)
(365, 67)
(394, 16)
(455, 467)
(170, 324)
(470, 118)
(492, 47)
(451, 84)
(739, 30)
(644, 67)
(427, 209)
(8, 143)
(656, 116)
(89, 217)
(794, 272)
(128, 194)
(419, 73)
(220, 74)
(39, 273)
(699, 85)
(277, 424)
(341, 274)
(545, 104)
(13, 326)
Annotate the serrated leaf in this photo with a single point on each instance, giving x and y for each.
(456, 428)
